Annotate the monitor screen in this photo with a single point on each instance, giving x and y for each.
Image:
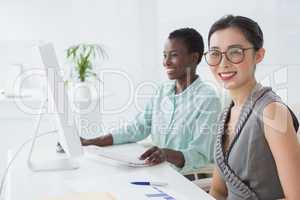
(59, 104)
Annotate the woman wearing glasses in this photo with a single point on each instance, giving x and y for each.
(257, 154)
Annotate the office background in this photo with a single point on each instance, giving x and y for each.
(133, 33)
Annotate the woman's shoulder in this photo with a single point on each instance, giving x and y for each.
(271, 105)
(263, 98)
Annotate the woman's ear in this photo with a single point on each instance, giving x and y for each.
(259, 55)
(195, 57)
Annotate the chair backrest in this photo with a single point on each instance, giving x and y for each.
(296, 109)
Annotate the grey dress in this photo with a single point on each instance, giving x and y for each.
(248, 167)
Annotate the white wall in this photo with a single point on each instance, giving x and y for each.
(134, 31)
(125, 27)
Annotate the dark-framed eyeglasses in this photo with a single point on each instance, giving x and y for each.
(234, 55)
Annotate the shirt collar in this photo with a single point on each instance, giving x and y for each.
(172, 85)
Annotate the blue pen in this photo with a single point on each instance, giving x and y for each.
(150, 183)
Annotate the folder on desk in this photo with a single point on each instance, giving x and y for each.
(84, 196)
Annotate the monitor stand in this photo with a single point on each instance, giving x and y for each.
(50, 165)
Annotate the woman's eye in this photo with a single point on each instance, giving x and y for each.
(235, 52)
(214, 54)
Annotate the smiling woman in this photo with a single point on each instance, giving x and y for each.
(182, 53)
(257, 153)
(180, 117)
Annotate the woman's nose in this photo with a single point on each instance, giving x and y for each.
(167, 61)
(224, 61)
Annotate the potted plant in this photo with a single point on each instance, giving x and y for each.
(84, 56)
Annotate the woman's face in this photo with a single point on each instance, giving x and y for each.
(230, 75)
(177, 60)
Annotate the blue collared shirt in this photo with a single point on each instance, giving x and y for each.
(184, 122)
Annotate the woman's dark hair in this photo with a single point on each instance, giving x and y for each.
(191, 38)
(248, 27)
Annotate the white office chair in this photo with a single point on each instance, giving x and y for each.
(296, 109)
(203, 183)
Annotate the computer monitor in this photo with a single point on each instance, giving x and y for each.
(59, 105)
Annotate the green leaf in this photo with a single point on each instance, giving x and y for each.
(82, 55)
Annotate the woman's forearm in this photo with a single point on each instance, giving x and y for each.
(104, 140)
(174, 157)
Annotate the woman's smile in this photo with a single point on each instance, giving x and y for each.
(225, 76)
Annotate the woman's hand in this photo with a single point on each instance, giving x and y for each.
(104, 140)
(156, 155)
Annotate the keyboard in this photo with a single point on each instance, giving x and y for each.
(115, 154)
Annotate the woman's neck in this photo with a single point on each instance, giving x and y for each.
(240, 95)
(182, 84)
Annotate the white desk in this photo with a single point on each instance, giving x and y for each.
(100, 175)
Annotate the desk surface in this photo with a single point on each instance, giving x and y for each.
(100, 175)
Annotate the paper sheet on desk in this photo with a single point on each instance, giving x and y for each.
(84, 196)
(123, 154)
(122, 189)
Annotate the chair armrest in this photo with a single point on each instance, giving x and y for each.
(206, 169)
